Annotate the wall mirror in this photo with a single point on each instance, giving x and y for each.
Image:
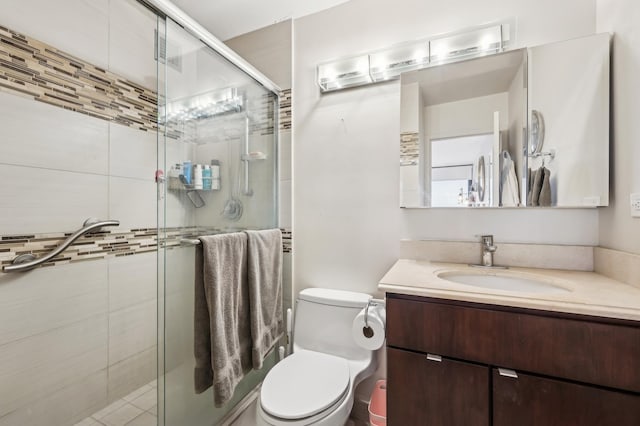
(522, 128)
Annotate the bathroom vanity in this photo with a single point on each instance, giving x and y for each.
(460, 354)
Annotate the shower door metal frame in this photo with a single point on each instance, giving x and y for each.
(168, 9)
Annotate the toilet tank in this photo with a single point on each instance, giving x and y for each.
(323, 322)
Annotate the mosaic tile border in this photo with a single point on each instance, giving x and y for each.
(104, 244)
(36, 69)
(409, 148)
(285, 110)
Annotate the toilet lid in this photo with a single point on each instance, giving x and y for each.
(303, 384)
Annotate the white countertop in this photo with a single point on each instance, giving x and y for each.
(588, 293)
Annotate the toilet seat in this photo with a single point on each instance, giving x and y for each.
(305, 386)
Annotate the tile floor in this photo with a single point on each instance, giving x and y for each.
(139, 408)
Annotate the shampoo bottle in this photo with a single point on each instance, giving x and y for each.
(206, 177)
(197, 176)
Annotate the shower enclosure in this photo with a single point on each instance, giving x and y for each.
(126, 131)
(217, 149)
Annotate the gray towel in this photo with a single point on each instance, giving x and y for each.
(537, 186)
(222, 330)
(265, 291)
(529, 185)
(545, 190)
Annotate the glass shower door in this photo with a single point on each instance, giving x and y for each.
(218, 151)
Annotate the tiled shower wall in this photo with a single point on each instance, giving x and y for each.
(76, 336)
(77, 83)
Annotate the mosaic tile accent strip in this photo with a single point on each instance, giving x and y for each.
(409, 149)
(104, 244)
(285, 110)
(49, 75)
(286, 240)
(35, 69)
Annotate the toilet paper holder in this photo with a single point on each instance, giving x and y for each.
(368, 331)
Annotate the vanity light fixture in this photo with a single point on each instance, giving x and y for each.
(344, 73)
(388, 64)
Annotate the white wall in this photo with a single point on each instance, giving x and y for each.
(468, 117)
(617, 229)
(347, 224)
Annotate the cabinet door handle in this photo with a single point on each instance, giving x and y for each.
(507, 373)
(432, 357)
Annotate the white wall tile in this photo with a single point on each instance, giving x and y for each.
(132, 373)
(180, 269)
(177, 151)
(41, 135)
(122, 416)
(179, 335)
(131, 42)
(65, 406)
(41, 365)
(132, 152)
(133, 202)
(38, 200)
(78, 27)
(48, 298)
(132, 330)
(132, 280)
(144, 419)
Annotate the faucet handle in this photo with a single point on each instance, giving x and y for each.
(487, 242)
(487, 239)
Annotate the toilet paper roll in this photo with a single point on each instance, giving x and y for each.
(370, 338)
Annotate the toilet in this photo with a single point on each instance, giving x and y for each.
(315, 384)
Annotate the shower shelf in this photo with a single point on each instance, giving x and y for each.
(192, 188)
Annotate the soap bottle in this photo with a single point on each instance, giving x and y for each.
(197, 176)
(215, 175)
(186, 171)
(206, 177)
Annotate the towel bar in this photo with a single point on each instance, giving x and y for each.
(25, 262)
(189, 242)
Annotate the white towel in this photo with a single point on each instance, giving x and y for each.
(509, 182)
(264, 266)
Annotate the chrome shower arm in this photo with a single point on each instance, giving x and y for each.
(25, 262)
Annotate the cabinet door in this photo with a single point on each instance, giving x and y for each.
(536, 401)
(424, 392)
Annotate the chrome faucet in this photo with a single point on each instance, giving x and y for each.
(487, 250)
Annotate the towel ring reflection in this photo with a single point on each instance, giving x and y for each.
(481, 179)
(537, 132)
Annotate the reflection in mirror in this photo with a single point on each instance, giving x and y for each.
(458, 174)
(457, 121)
(544, 112)
(569, 113)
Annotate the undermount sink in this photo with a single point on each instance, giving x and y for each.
(503, 281)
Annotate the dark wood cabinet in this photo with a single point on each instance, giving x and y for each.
(430, 390)
(572, 369)
(530, 401)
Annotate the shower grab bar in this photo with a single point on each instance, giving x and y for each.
(25, 262)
